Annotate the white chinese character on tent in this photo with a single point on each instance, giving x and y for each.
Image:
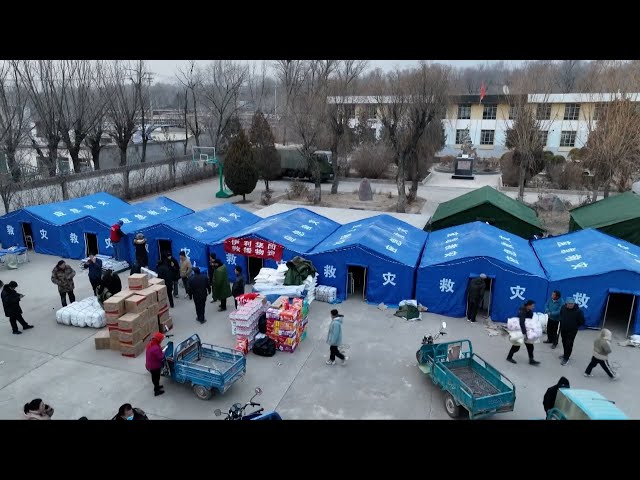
(516, 292)
(581, 299)
(451, 240)
(107, 242)
(140, 217)
(398, 235)
(450, 254)
(505, 244)
(623, 247)
(59, 214)
(231, 259)
(298, 233)
(568, 250)
(506, 239)
(10, 230)
(344, 237)
(340, 242)
(511, 259)
(562, 244)
(446, 285)
(290, 238)
(453, 234)
(259, 244)
(152, 212)
(389, 279)
(73, 238)
(236, 248)
(165, 209)
(125, 220)
(510, 252)
(43, 234)
(403, 230)
(329, 271)
(314, 222)
(259, 251)
(580, 265)
(89, 207)
(451, 247)
(392, 249)
(234, 215)
(396, 241)
(199, 229)
(271, 246)
(74, 210)
(103, 203)
(213, 224)
(187, 251)
(223, 219)
(306, 227)
(572, 258)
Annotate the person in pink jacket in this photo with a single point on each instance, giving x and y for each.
(155, 358)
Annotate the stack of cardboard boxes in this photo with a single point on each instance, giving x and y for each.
(134, 314)
(287, 323)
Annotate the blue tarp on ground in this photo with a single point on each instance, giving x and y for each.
(453, 255)
(197, 233)
(298, 231)
(47, 223)
(588, 265)
(388, 248)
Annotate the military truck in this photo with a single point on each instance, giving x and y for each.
(295, 165)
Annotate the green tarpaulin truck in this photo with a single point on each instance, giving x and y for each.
(295, 165)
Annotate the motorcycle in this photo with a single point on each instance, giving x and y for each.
(237, 410)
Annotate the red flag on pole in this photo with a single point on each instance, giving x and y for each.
(483, 91)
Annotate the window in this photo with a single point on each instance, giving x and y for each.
(543, 111)
(372, 111)
(464, 111)
(568, 138)
(544, 135)
(460, 134)
(486, 137)
(350, 110)
(597, 110)
(571, 111)
(489, 112)
(513, 110)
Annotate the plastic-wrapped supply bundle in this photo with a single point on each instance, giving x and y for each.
(513, 324)
(543, 318)
(326, 294)
(534, 329)
(85, 313)
(244, 320)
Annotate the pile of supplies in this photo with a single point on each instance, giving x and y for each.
(326, 294)
(533, 326)
(133, 314)
(108, 263)
(85, 313)
(244, 320)
(291, 279)
(287, 322)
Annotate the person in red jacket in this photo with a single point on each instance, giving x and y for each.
(155, 358)
(116, 235)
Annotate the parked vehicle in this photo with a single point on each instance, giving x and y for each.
(237, 411)
(576, 404)
(468, 381)
(207, 368)
(295, 165)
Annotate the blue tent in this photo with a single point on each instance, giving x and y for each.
(46, 223)
(388, 248)
(589, 265)
(195, 233)
(454, 255)
(297, 230)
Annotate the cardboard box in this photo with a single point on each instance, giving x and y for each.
(280, 325)
(151, 293)
(287, 348)
(136, 303)
(114, 334)
(135, 336)
(138, 281)
(163, 308)
(163, 316)
(161, 291)
(153, 310)
(114, 306)
(154, 325)
(113, 324)
(112, 317)
(132, 350)
(156, 281)
(280, 301)
(124, 294)
(167, 322)
(130, 322)
(114, 344)
(102, 340)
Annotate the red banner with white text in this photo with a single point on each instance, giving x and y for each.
(253, 247)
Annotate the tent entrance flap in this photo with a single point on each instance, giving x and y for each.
(620, 312)
(357, 281)
(90, 244)
(27, 235)
(254, 265)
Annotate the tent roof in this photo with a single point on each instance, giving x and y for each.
(490, 195)
(60, 213)
(299, 230)
(381, 235)
(608, 211)
(477, 239)
(595, 252)
(213, 224)
(140, 216)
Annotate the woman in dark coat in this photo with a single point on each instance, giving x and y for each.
(142, 256)
(549, 400)
(11, 303)
(111, 281)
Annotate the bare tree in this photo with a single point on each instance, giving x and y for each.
(222, 81)
(15, 122)
(140, 75)
(340, 88)
(291, 75)
(567, 76)
(47, 82)
(191, 79)
(257, 85)
(122, 106)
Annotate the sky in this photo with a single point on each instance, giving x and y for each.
(165, 69)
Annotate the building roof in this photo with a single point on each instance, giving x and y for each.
(615, 209)
(580, 97)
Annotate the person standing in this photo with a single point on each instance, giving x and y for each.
(212, 267)
(185, 272)
(238, 285)
(165, 273)
(154, 361)
(525, 312)
(549, 400)
(221, 288)
(552, 309)
(198, 286)
(111, 281)
(601, 351)
(571, 319)
(334, 339)
(142, 256)
(475, 296)
(116, 235)
(175, 268)
(62, 275)
(95, 272)
(11, 304)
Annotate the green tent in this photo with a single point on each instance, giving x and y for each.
(618, 216)
(486, 204)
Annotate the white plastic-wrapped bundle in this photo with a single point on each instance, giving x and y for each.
(85, 313)
(513, 324)
(534, 329)
(543, 318)
(326, 294)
